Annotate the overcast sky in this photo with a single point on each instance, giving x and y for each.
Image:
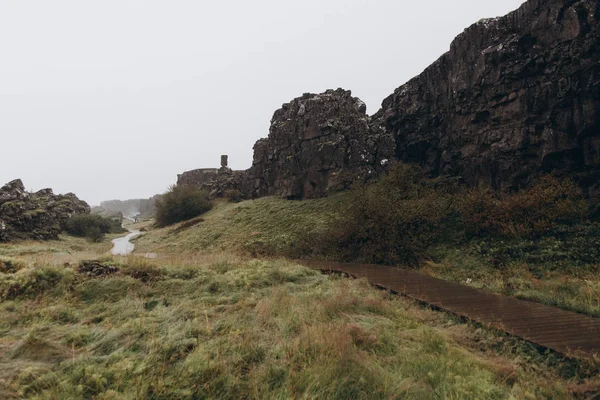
(113, 98)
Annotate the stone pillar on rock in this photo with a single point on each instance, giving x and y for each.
(224, 164)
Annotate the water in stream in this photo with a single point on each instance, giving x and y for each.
(123, 246)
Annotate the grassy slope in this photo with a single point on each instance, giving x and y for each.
(268, 225)
(272, 226)
(224, 326)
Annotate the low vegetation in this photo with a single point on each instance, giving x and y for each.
(233, 195)
(224, 326)
(399, 219)
(207, 319)
(181, 203)
(549, 253)
(92, 226)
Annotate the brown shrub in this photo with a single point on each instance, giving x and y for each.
(526, 213)
(396, 220)
(392, 221)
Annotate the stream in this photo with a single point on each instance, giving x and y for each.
(122, 246)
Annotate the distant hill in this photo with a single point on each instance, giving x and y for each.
(129, 208)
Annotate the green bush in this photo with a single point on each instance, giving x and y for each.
(181, 203)
(92, 226)
(565, 246)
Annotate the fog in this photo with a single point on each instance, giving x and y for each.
(112, 99)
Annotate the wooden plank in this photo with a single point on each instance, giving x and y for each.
(562, 331)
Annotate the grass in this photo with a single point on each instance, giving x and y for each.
(264, 226)
(272, 226)
(201, 322)
(222, 326)
(570, 288)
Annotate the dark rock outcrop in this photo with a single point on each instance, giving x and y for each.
(319, 143)
(96, 269)
(218, 181)
(197, 177)
(515, 97)
(39, 215)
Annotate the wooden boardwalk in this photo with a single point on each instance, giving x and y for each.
(566, 332)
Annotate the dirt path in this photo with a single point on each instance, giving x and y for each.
(562, 331)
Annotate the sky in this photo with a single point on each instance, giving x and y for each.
(112, 99)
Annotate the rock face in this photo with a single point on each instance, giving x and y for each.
(197, 177)
(319, 143)
(39, 215)
(515, 97)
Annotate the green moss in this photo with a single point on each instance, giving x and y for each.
(34, 213)
(12, 204)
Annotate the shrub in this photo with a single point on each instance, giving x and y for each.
(530, 212)
(392, 221)
(92, 226)
(565, 246)
(398, 218)
(10, 265)
(233, 195)
(34, 281)
(181, 203)
(95, 235)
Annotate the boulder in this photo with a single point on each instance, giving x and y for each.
(41, 215)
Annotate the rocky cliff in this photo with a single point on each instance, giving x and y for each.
(319, 143)
(515, 97)
(39, 215)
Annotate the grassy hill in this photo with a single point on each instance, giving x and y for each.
(266, 226)
(276, 227)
